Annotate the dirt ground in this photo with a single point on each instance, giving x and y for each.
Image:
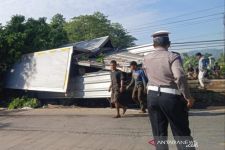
(95, 129)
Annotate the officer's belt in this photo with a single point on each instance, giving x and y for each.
(164, 90)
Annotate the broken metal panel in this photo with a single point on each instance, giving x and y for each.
(123, 60)
(90, 64)
(91, 45)
(41, 71)
(90, 85)
(141, 50)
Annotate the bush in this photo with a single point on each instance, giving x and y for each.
(222, 70)
(23, 102)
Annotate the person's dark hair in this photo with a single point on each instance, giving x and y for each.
(198, 54)
(113, 62)
(133, 63)
(161, 41)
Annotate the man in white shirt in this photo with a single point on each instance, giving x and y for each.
(202, 67)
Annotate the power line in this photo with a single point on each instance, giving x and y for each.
(189, 48)
(199, 47)
(194, 46)
(195, 43)
(210, 41)
(183, 25)
(175, 28)
(206, 41)
(224, 33)
(179, 21)
(190, 22)
(200, 35)
(187, 42)
(200, 43)
(185, 14)
(208, 44)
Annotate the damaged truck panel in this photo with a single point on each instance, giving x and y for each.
(47, 74)
(90, 85)
(91, 46)
(77, 70)
(41, 71)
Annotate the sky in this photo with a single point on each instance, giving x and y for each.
(186, 20)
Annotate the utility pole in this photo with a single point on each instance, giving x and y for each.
(224, 34)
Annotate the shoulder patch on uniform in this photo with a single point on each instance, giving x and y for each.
(175, 52)
(174, 55)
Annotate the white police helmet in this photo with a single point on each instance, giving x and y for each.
(161, 38)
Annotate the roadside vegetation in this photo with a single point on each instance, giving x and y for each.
(191, 60)
(23, 102)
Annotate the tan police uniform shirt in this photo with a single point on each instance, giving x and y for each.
(164, 68)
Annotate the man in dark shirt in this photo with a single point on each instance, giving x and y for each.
(190, 68)
(116, 88)
(139, 80)
(190, 72)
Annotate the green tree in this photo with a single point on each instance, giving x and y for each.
(20, 36)
(37, 35)
(221, 59)
(11, 41)
(58, 35)
(221, 62)
(86, 27)
(11, 44)
(189, 60)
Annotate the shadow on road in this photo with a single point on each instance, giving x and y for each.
(135, 115)
(10, 112)
(4, 125)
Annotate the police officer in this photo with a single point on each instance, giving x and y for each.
(139, 80)
(168, 94)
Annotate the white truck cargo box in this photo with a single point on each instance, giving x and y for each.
(41, 71)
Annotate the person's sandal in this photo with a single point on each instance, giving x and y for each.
(142, 112)
(124, 110)
(117, 116)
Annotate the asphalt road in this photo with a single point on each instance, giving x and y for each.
(95, 129)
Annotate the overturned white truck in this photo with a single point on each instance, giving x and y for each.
(77, 70)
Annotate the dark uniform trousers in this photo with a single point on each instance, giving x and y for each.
(139, 96)
(169, 108)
